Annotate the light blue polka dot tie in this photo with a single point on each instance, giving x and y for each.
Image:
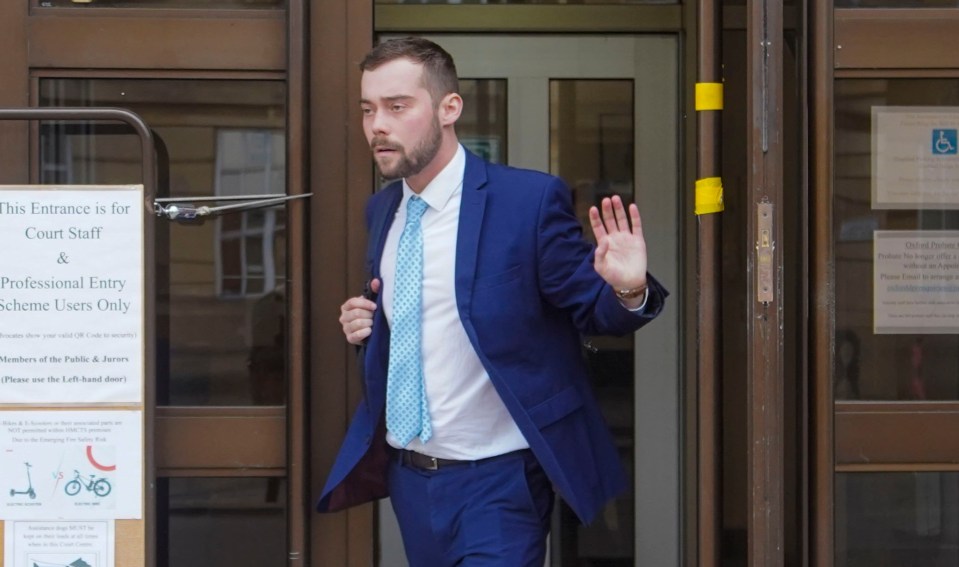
(407, 414)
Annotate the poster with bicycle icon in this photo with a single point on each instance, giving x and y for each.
(41, 478)
(915, 157)
(59, 478)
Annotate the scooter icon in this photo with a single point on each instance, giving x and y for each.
(29, 491)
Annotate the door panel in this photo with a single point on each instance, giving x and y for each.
(894, 388)
(900, 519)
(137, 42)
(224, 521)
(247, 370)
(238, 441)
(220, 435)
(871, 39)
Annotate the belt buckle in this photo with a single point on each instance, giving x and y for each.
(434, 464)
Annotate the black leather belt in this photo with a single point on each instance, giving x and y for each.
(427, 463)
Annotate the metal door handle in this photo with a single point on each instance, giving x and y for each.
(184, 209)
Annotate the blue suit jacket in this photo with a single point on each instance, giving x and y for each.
(526, 292)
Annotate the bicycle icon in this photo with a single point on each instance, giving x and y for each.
(99, 486)
(944, 141)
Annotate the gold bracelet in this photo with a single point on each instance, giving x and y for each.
(630, 293)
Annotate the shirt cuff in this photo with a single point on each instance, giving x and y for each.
(642, 306)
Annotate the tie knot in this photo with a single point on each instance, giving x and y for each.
(415, 208)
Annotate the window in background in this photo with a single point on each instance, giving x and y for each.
(869, 366)
(221, 296)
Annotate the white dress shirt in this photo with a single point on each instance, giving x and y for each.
(469, 419)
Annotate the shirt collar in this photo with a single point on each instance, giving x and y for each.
(446, 183)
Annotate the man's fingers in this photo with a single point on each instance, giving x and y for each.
(351, 315)
(363, 333)
(601, 249)
(356, 316)
(358, 328)
(599, 231)
(608, 218)
(357, 337)
(359, 302)
(357, 325)
(614, 215)
(620, 212)
(637, 221)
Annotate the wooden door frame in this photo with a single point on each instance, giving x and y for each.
(341, 177)
(39, 42)
(822, 313)
(765, 290)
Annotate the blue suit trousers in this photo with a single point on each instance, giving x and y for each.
(489, 513)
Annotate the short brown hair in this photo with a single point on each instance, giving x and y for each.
(439, 71)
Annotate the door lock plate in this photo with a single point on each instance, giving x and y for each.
(765, 245)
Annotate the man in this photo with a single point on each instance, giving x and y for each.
(477, 403)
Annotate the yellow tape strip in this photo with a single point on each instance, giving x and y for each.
(709, 195)
(709, 96)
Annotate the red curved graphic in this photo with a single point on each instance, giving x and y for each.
(97, 465)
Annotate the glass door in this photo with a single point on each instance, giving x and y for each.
(220, 113)
(896, 377)
(602, 112)
(221, 300)
(893, 239)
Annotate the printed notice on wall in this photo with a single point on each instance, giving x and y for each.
(71, 295)
(915, 157)
(71, 465)
(59, 544)
(916, 282)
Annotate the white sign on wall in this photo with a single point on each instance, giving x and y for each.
(71, 544)
(915, 157)
(916, 282)
(71, 295)
(71, 465)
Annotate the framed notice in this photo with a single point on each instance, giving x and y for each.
(915, 157)
(916, 282)
(71, 465)
(55, 544)
(71, 295)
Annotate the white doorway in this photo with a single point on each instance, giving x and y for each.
(602, 112)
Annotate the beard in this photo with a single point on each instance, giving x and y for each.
(410, 163)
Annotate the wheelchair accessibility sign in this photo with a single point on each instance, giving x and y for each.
(944, 141)
(915, 157)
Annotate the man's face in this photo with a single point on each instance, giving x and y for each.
(399, 118)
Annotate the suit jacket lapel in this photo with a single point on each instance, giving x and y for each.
(380, 226)
(472, 207)
(375, 352)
